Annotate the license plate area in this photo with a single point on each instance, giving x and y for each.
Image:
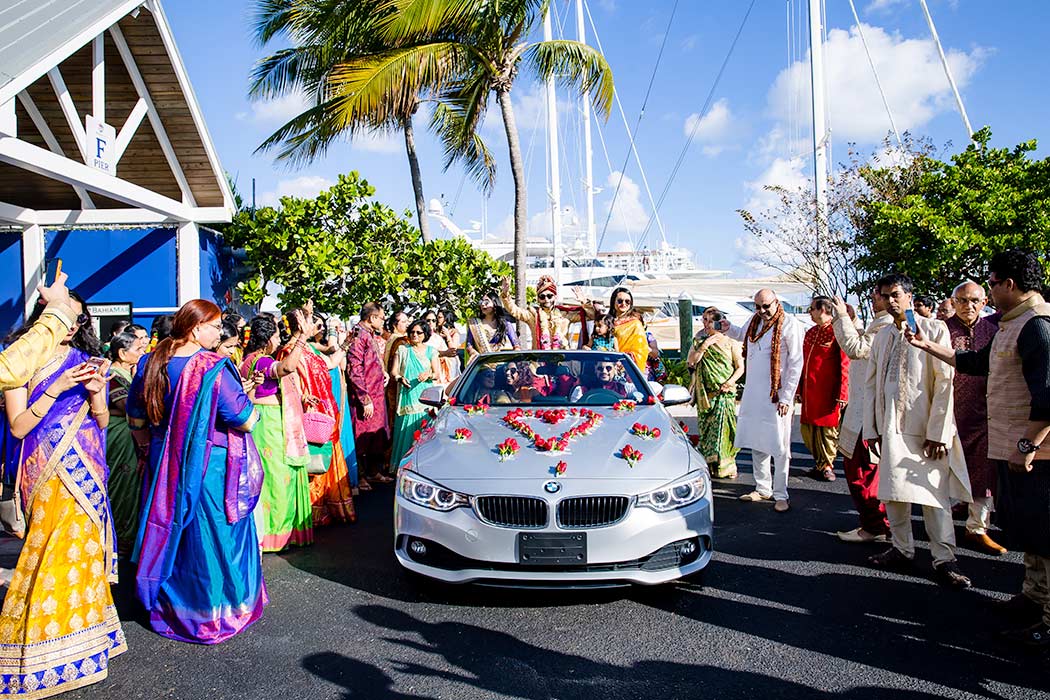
(552, 549)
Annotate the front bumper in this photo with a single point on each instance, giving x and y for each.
(645, 547)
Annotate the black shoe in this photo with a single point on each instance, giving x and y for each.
(949, 576)
(891, 560)
(1037, 636)
(1017, 610)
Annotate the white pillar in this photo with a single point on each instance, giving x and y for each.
(8, 121)
(188, 248)
(32, 264)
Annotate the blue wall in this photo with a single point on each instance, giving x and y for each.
(10, 282)
(117, 265)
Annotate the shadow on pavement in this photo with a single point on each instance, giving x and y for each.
(498, 664)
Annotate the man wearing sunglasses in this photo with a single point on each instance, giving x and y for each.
(773, 347)
(548, 322)
(1017, 364)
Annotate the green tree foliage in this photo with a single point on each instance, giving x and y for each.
(958, 215)
(343, 249)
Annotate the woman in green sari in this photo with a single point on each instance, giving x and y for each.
(125, 462)
(717, 362)
(416, 366)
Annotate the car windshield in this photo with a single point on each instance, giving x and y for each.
(583, 378)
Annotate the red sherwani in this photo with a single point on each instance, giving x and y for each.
(364, 369)
(971, 409)
(825, 378)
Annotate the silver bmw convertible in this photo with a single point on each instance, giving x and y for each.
(559, 468)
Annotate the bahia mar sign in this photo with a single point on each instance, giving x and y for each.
(101, 145)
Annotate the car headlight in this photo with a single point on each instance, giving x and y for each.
(677, 494)
(428, 494)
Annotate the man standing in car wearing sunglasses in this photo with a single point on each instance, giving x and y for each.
(548, 322)
(773, 347)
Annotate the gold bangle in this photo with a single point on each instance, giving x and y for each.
(99, 412)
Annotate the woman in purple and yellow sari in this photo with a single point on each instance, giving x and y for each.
(58, 628)
(199, 570)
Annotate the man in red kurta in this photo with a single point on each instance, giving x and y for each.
(824, 388)
(367, 390)
(971, 331)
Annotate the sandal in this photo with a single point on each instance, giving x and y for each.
(363, 485)
(827, 474)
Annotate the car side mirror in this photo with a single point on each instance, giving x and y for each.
(674, 394)
(656, 387)
(433, 396)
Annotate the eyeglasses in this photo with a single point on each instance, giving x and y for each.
(623, 300)
(216, 326)
(765, 307)
(545, 295)
(971, 301)
(994, 283)
(605, 368)
(417, 332)
(512, 370)
(430, 320)
(82, 319)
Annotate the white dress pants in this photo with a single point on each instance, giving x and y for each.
(939, 529)
(980, 515)
(771, 473)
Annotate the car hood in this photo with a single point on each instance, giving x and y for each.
(468, 465)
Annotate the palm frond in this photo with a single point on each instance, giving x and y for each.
(270, 19)
(409, 21)
(463, 144)
(387, 86)
(575, 66)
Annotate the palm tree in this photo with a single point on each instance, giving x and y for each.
(325, 34)
(461, 52)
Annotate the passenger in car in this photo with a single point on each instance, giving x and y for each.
(604, 377)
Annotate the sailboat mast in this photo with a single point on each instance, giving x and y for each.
(554, 195)
(588, 177)
(820, 135)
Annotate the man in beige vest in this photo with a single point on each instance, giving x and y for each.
(860, 466)
(1017, 363)
(908, 415)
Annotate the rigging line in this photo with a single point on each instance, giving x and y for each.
(459, 191)
(824, 88)
(608, 163)
(631, 134)
(947, 69)
(875, 72)
(703, 112)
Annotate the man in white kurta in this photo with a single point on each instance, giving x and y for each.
(908, 413)
(764, 422)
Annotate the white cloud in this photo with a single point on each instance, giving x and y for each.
(788, 173)
(277, 111)
(628, 213)
(306, 186)
(909, 70)
(712, 129)
(530, 111)
(883, 5)
(607, 5)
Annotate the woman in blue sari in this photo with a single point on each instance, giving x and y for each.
(199, 570)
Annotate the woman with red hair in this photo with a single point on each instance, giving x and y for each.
(199, 571)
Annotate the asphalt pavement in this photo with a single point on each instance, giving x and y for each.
(785, 610)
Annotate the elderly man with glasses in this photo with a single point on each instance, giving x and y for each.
(970, 331)
(548, 322)
(773, 347)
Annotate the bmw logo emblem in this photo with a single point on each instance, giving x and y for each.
(552, 487)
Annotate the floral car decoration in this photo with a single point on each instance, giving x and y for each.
(518, 420)
(630, 454)
(507, 449)
(645, 432)
(624, 406)
(462, 434)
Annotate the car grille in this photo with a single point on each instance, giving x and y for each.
(512, 511)
(591, 511)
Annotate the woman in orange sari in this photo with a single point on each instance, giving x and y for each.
(629, 328)
(58, 628)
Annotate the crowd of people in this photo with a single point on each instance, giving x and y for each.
(193, 448)
(944, 405)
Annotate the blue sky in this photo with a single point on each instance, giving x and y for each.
(756, 131)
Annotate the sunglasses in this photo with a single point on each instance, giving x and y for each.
(512, 371)
(430, 320)
(545, 295)
(766, 307)
(623, 300)
(416, 333)
(488, 375)
(82, 319)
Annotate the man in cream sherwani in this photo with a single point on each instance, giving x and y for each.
(908, 414)
(773, 347)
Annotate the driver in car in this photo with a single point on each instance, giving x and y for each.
(605, 378)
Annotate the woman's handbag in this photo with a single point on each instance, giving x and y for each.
(319, 427)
